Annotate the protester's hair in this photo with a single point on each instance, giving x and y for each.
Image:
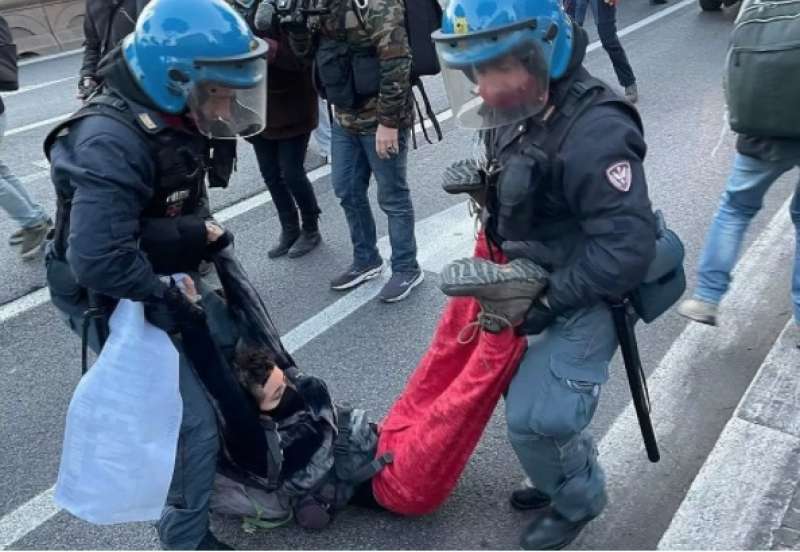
(253, 367)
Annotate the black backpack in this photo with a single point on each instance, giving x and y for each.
(423, 17)
(9, 73)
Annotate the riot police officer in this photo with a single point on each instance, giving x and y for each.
(129, 169)
(564, 187)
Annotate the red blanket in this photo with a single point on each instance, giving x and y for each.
(435, 424)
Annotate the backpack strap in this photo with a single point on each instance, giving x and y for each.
(417, 82)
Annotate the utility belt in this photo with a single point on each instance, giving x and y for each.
(346, 77)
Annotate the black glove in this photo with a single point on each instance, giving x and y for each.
(174, 312)
(538, 318)
(174, 244)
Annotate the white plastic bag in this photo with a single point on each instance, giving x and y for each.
(122, 426)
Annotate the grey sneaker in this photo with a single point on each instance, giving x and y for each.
(632, 93)
(505, 291)
(699, 311)
(400, 285)
(33, 238)
(353, 276)
(17, 237)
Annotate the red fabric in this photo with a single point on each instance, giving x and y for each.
(435, 424)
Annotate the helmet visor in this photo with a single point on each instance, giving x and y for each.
(231, 108)
(491, 93)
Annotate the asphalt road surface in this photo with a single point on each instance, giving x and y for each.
(366, 350)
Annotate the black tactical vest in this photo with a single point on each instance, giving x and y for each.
(526, 202)
(345, 75)
(181, 157)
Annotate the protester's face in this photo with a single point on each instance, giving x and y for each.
(273, 389)
(506, 83)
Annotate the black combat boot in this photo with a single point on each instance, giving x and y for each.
(211, 542)
(290, 232)
(551, 531)
(309, 238)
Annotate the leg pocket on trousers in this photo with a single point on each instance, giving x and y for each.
(572, 393)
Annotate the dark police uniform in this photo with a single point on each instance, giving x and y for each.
(129, 186)
(571, 195)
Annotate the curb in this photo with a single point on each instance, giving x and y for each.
(746, 494)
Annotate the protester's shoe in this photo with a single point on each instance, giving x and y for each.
(699, 311)
(658, 1)
(355, 276)
(33, 238)
(505, 291)
(465, 177)
(306, 243)
(551, 531)
(529, 497)
(632, 93)
(210, 542)
(400, 285)
(288, 236)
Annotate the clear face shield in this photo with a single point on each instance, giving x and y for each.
(230, 101)
(490, 91)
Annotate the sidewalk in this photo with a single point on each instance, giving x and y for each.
(747, 494)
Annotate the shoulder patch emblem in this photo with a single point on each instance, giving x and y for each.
(620, 175)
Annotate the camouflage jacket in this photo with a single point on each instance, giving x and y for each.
(380, 26)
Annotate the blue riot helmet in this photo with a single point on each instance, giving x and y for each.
(499, 56)
(201, 59)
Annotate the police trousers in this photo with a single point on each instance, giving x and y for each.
(185, 518)
(550, 402)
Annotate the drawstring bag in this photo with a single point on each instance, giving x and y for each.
(122, 426)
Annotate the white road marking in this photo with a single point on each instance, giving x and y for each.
(42, 59)
(38, 124)
(41, 508)
(32, 87)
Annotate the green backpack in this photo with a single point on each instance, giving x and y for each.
(762, 79)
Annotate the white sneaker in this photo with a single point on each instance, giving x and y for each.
(699, 311)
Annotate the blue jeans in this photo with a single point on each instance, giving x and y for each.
(14, 199)
(550, 402)
(741, 200)
(353, 159)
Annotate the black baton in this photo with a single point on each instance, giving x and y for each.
(96, 313)
(636, 377)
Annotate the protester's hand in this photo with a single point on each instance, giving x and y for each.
(387, 142)
(611, 2)
(174, 311)
(189, 289)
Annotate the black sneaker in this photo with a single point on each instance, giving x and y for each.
(353, 276)
(400, 285)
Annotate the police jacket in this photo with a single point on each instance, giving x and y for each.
(571, 192)
(130, 196)
(105, 24)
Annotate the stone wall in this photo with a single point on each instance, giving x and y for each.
(44, 27)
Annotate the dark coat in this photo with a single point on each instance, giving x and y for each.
(291, 98)
(105, 24)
